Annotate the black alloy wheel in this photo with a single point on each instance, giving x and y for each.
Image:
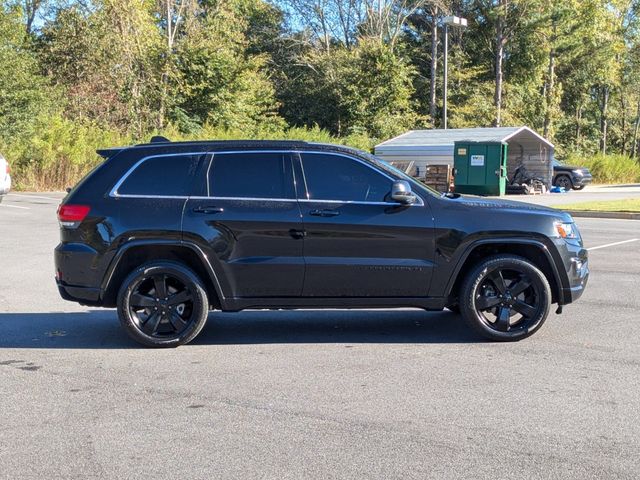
(162, 304)
(506, 298)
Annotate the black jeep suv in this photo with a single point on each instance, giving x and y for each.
(168, 231)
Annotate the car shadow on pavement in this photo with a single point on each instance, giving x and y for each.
(100, 329)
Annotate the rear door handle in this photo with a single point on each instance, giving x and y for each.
(208, 209)
(324, 213)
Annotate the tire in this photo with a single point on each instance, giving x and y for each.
(579, 187)
(563, 181)
(505, 298)
(172, 318)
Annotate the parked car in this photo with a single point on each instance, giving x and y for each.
(5, 177)
(570, 177)
(166, 232)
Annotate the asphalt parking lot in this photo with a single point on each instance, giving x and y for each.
(311, 394)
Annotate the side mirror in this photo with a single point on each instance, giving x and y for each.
(401, 192)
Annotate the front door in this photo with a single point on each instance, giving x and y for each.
(250, 224)
(358, 243)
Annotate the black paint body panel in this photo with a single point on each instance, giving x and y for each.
(277, 254)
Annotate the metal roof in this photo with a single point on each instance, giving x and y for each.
(418, 138)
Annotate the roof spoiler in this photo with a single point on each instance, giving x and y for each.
(107, 153)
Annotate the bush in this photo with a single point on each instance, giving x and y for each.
(60, 152)
(609, 168)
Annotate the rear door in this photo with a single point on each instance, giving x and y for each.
(358, 243)
(250, 224)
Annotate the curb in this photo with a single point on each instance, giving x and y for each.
(616, 215)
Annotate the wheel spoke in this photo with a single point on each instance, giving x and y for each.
(177, 321)
(498, 280)
(159, 283)
(484, 303)
(139, 300)
(520, 286)
(502, 322)
(151, 325)
(180, 297)
(524, 308)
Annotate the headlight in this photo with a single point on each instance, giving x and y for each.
(578, 173)
(567, 230)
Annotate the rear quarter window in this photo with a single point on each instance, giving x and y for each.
(168, 175)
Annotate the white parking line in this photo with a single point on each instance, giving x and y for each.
(13, 206)
(613, 244)
(32, 196)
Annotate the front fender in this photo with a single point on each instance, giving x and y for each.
(457, 261)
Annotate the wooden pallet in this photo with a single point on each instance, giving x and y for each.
(439, 177)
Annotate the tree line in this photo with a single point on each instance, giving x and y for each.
(76, 73)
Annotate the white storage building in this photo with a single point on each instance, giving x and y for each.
(432, 147)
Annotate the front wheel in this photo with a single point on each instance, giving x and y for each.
(162, 304)
(505, 298)
(564, 181)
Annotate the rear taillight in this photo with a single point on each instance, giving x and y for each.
(8, 168)
(72, 215)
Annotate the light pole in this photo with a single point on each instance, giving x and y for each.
(456, 22)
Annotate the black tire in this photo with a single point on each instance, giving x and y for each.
(505, 298)
(563, 181)
(579, 187)
(170, 296)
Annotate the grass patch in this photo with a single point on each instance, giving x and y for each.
(631, 205)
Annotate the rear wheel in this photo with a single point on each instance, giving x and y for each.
(505, 298)
(162, 304)
(564, 181)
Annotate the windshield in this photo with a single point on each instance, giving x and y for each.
(419, 186)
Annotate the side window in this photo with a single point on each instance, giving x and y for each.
(251, 175)
(336, 177)
(170, 175)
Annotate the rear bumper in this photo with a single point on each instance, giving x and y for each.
(5, 185)
(82, 295)
(77, 275)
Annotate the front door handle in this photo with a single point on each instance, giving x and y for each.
(324, 213)
(208, 209)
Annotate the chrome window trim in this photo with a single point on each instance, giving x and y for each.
(245, 199)
(114, 191)
(420, 202)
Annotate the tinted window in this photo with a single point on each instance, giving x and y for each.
(251, 175)
(335, 177)
(171, 175)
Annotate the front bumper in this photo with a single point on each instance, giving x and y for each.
(575, 265)
(581, 181)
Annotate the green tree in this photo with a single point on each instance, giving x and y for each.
(24, 93)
